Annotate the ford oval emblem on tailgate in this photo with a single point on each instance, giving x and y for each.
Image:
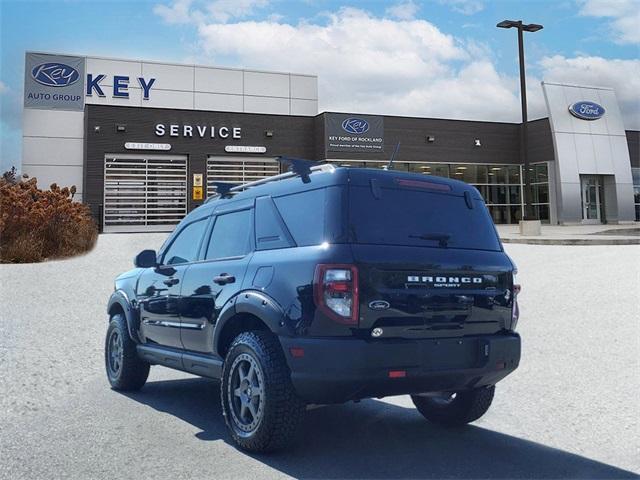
(379, 305)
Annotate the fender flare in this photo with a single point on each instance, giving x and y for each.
(256, 303)
(131, 316)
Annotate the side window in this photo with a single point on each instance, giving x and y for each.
(184, 248)
(230, 236)
(304, 214)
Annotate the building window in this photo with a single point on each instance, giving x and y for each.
(499, 185)
(539, 178)
(635, 172)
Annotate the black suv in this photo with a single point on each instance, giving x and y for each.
(324, 285)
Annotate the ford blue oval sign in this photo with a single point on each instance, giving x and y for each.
(356, 126)
(586, 110)
(55, 74)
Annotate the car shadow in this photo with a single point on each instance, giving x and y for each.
(374, 439)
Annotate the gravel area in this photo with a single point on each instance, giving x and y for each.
(570, 411)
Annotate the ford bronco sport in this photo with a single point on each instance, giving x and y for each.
(324, 285)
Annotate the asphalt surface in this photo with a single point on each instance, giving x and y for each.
(570, 411)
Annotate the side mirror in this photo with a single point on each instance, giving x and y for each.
(146, 259)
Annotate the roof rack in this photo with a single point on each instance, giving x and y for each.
(298, 168)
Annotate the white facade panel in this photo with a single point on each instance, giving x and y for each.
(218, 102)
(278, 106)
(266, 84)
(52, 123)
(170, 99)
(305, 87)
(613, 116)
(64, 176)
(169, 77)
(110, 68)
(602, 154)
(51, 151)
(304, 107)
(556, 105)
(621, 160)
(134, 99)
(566, 148)
(218, 80)
(585, 154)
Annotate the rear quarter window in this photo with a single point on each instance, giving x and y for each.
(412, 217)
(304, 215)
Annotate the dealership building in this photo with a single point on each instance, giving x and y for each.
(146, 142)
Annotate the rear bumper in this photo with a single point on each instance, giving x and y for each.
(336, 370)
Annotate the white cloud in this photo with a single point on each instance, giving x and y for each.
(625, 15)
(466, 7)
(622, 75)
(403, 11)
(188, 11)
(3, 88)
(178, 12)
(370, 64)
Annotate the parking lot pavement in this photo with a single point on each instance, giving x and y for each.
(570, 411)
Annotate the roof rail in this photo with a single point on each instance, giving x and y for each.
(299, 168)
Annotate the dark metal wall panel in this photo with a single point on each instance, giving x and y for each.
(540, 141)
(292, 135)
(633, 140)
(454, 141)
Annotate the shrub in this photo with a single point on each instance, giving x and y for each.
(37, 225)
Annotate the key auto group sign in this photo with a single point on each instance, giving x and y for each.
(59, 82)
(354, 133)
(54, 82)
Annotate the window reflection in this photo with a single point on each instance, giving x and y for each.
(500, 185)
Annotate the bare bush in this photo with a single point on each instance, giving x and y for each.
(36, 225)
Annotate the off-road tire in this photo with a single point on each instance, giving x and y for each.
(133, 371)
(468, 406)
(282, 409)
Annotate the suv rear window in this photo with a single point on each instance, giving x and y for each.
(403, 216)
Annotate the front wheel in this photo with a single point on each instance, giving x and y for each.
(454, 409)
(260, 406)
(125, 370)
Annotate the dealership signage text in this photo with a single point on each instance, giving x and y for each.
(202, 131)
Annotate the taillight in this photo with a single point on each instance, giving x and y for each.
(335, 292)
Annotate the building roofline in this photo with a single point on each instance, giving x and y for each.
(563, 84)
(413, 117)
(177, 64)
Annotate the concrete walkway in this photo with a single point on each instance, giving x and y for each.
(575, 235)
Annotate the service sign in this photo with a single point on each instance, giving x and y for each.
(354, 133)
(54, 82)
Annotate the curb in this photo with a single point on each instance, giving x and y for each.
(573, 241)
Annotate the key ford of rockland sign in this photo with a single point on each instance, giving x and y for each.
(347, 133)
(57, 82)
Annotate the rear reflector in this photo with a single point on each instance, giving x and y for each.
(296, 352)
(397, 373)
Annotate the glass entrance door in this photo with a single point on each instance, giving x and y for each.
(590, 199)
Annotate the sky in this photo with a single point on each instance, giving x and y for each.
(429, 58)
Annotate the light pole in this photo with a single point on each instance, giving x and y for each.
(524, 157)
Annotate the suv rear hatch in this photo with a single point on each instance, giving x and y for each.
(429, 260)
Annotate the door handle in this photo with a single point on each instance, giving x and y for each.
(170, 281)
(224, 278)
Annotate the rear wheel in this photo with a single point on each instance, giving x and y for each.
(125, 370)
(453, 409)
(260, 406)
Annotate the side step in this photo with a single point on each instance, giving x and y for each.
(198, 364)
